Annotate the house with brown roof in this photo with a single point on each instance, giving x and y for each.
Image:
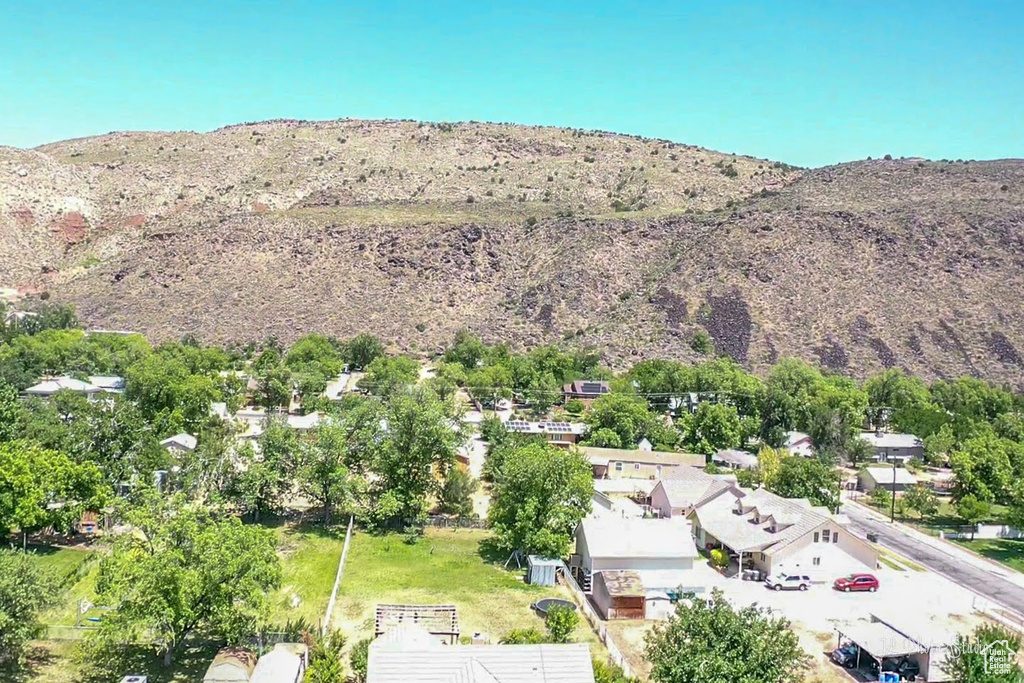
(619, 594)
(621, 463)
(585, 390)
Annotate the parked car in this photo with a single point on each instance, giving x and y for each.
(789, 582)
(845, 656)
(856, 582)
(907, 668)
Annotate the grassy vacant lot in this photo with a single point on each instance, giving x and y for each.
(310, 556)
(1004, 550)
(944, 519)
(444, 567)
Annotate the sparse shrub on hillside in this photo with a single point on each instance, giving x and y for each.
(531, 221)
(470, 199)
(701, 342)
(888, 157)
(1004, 188)
(589, 159)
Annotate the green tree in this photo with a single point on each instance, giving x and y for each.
(362, 350)
(41, 487)
(315, 353)
(524, 636)
(1015, 510)
(560, 623)
(448, 377)
(769, 461)
(266, 477)
(542, 494)
(323, 476)
(10, 412)
(701, 343)
(967, 663)
(983, 467)
(921, 499)
(894, 399)
(185, 570)
(836, 412)
(624, 414)
(389, 374)
(785, 401)
(274, 383)
(880, 497)
(605, 671)
(169, 395)
(417, 454)
(708, 640)
(713, 427)
(24, 592)
(467, 350)
(808, 478)
(456, 497)
(972, 511)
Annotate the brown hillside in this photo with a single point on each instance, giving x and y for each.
(524, 234)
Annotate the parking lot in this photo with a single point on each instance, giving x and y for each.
(940, 605)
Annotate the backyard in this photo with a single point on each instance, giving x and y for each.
(443, 567)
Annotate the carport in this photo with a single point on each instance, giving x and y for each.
(878, 640)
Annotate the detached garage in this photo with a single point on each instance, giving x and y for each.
(619, 595)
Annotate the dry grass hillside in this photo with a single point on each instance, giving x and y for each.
(524, 234)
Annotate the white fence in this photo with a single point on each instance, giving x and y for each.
(337, 578)
(600, 628)
(985, 531)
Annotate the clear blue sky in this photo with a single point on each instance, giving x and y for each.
(809, 83)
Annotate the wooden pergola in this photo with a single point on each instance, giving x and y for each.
(437, 620)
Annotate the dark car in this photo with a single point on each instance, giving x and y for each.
(907, 668)
(845, 656)
(856, 582)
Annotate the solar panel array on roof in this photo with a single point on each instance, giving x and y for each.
(593, 388)
(557, 427)
(518, 425)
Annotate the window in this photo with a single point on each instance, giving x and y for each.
(817, 537)
(835, 537)
(618, 467)
(636, 466)
(816, 562)
(826, 535)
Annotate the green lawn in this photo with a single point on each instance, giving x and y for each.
(1003, 550)
(944, 519)
(309, 558)
(76, 569)
(444, 567)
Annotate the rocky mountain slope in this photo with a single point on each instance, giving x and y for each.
(524, 234)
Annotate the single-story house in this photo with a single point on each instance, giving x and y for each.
(898, 447)
(51, 385)
(735, 460)
(661, 551)
(798, 443)
(305, 423)
(231, 665)
(619, 594)
(772, 534)
(617, 463)
(894, 636)
(180, 443)
(603, 505)
(562, 434)
(286, 663)
(893, 479)
(409, 657)
(682, 488)
(585, 390)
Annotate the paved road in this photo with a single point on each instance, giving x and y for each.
(988, 584)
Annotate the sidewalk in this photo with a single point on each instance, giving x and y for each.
(947, 547)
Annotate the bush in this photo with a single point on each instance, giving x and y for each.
(523, 636)
(880, 497)
(359, 658)
(606, 671)
(325, 659)
(531, 221)
(701, 343)
(719, 558)
(574, 406)
(561, 622)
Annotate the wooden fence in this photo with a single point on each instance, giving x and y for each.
(596, 623)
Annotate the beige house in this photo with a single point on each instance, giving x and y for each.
(774, 534)
(620, 463)
(684, 488)
(895, 479)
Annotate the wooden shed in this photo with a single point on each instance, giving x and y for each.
(619, 594)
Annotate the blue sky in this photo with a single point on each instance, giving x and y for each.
(809, 83)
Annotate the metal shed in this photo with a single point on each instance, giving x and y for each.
(541, 570)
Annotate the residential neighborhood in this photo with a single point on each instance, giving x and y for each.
(394, 527)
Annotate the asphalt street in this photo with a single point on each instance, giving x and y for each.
(988, 584)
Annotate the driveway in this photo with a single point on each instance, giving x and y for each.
(982, 581)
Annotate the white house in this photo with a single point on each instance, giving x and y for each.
(660, 551)
(682, 488)
(180, 443)
(889, 447)
(798, 443)
(50, 386)
(895, 479)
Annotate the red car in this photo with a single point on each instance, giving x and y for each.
(856, 582)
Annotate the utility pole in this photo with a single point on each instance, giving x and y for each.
(892, 503)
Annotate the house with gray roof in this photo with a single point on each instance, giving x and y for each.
(410, 659)
(683, 488)
(51, 385)
(894, 479)
(894, 447)
(765, 531)
(735, 460)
